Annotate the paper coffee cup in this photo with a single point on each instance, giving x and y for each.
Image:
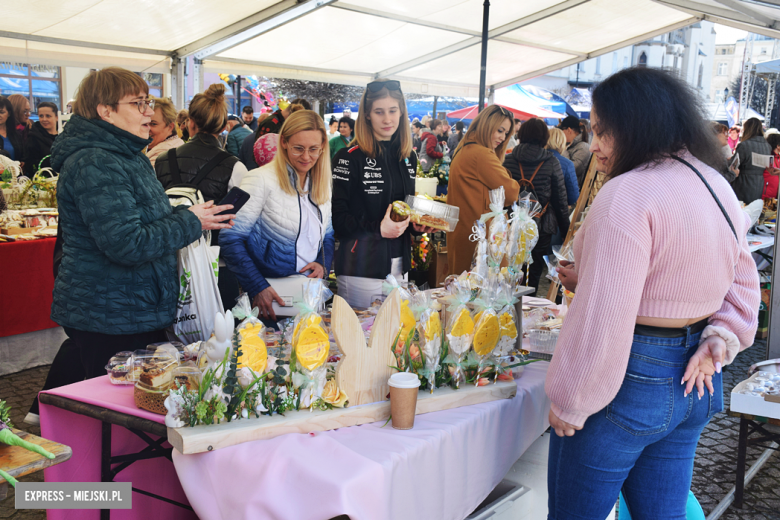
(404, 387)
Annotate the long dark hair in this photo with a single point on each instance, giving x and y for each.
(650, 115)
(752, 128)
(10, 128)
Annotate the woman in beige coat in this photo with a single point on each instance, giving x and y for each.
(477, 167)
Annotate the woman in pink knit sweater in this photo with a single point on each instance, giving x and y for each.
(666, 293)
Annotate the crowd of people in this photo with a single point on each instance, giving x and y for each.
(633, 326)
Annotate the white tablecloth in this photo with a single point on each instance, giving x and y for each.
(441, 469)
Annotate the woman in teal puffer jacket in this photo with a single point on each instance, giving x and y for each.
(117, 286)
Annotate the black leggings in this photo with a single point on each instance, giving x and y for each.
(537, 267)
(95, 349)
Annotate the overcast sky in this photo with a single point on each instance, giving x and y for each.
(726, 34)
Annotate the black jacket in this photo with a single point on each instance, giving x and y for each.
(362, 189)
(191, 156)
(549, 184)
(17, 141)
(37, 147)
(749, 185)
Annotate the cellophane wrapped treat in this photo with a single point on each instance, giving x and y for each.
(479, 262)
(429, 330)
(407, 323)
(523, 233)
(253, 359)
(565, 252)
(487, 329)
(507, 320)
(497, 228)
(310, 343)
(460, 328)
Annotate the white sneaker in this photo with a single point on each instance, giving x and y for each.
(32, 418)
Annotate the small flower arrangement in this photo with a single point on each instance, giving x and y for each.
(421, 253)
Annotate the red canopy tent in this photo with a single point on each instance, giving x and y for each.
(471, 112)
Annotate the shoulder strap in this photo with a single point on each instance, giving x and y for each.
(462, 147)
(531, 180)
(173, 164)
(206, 168)
(717, 200)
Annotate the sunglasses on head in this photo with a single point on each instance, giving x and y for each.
(507, 113)
(391, 84)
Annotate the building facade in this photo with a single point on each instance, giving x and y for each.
(688, 51)
(729, 60)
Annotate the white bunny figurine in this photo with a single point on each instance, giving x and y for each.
(174, 403)
(221, 340)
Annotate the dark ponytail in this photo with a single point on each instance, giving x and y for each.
(584, 130)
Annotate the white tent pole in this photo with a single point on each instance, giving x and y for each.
(756, 15)
(483, 62)
(177, 82)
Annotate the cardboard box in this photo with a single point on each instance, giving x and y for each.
(13, 230)
(766, 406)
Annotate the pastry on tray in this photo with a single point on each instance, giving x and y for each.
(400, 212)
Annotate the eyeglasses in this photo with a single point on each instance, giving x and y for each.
(28, 112)
(391, 84)
(297, 151)
(140, 105)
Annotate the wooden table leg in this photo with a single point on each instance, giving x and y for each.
(741, 456)
(105, 463)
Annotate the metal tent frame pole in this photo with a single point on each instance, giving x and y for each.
(483, 62)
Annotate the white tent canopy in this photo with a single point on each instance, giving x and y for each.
(432, 46)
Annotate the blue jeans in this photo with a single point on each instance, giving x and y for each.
(642, 443)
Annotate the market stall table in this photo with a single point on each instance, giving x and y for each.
(443, 468)
(28, 282)
(28, 337)
(750, 425)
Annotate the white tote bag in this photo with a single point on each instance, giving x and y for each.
(199, 299)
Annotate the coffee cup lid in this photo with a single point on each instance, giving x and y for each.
(404, 380)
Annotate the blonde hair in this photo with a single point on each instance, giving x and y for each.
(557, 140)
(167, 110)
(209, 110)
(106, 87)
(302, 121)
(364, 134)
(485, 125)
(17, 101)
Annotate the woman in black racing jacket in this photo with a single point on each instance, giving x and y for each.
(368, 176)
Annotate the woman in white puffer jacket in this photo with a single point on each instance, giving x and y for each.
(285, 227)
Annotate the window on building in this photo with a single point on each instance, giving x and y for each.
(625, 62)
(763, 50)
(701, 75)
(598, 65)
(723, 68)
(642, 60)
(614, 62)
(155, 82)
(38, 83)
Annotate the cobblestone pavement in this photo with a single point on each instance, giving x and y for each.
(19, 390)
(714, 468)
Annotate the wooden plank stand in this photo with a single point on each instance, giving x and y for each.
(363, 374)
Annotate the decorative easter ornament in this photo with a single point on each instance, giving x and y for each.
(460, 329)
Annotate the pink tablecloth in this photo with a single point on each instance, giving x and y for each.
(83, 435)
(442, 469)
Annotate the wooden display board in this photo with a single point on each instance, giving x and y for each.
(363, 374)
(208, 438)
